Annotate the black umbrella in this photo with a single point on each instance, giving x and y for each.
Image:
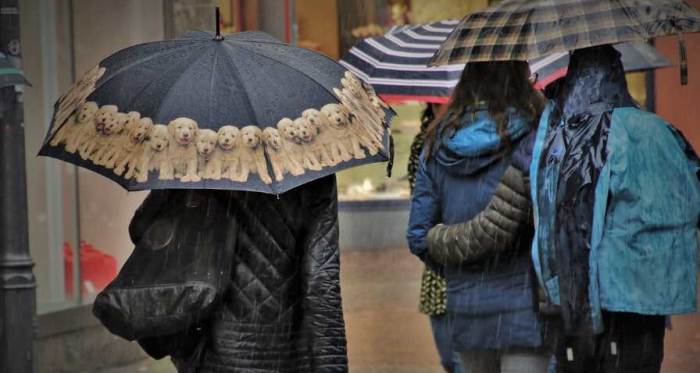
(243, 111)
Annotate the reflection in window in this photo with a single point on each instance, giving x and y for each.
(370, 182)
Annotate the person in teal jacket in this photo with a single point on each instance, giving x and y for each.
(617, 203)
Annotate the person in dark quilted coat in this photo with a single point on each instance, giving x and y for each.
(281, 311)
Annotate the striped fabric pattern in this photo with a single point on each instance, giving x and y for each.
(396, 64)
(525, 29)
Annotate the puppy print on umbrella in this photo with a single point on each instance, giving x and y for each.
(197, 112)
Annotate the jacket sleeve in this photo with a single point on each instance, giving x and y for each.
(425, 214)
(494, 229)
(498, 225)
(321, 269)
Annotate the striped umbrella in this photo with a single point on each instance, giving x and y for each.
(396, 64)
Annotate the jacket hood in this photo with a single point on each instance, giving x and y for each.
(595, 82)
(476, 144)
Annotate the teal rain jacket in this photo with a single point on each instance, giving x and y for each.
(644, 240)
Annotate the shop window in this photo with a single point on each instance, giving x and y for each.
(51, 185)
(77, 220)
(370, 182)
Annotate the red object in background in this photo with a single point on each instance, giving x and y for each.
(544, 82)
(287, 23)
(97, 269)
(398, 99)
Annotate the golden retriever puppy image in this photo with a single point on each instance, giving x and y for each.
(182, 149)
(155, 155)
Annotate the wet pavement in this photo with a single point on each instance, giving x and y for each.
(386, 333)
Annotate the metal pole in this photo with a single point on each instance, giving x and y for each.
(17, 282)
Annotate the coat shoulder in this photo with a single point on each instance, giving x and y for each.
(634, 132)
(639, 122)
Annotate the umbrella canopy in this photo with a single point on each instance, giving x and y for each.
(9, 74)
(635, 55)
(244, 112)
(525, 29)
(396, 64)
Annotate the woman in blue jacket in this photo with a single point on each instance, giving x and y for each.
(491, 308)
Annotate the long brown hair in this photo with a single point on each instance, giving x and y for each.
(499, 85)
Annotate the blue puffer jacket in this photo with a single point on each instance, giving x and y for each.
(491, 305)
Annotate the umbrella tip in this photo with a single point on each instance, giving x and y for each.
(218, 25)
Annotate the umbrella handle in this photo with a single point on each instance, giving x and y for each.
(683, 59)
(390, 164)
(218, 25)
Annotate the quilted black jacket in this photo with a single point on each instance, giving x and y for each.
(282, 309)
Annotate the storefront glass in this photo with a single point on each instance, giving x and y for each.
(51, 185)
(77, 220)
